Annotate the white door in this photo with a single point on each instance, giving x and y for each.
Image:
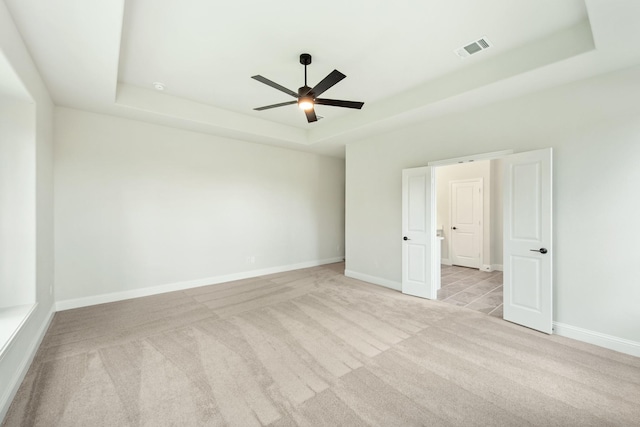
(466, 222)
(419, 268)
(528, 246)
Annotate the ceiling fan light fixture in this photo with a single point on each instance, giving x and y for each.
(307, 97)
(305, 103)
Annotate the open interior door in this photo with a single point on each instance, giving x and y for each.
(419, 269)
(528, 245)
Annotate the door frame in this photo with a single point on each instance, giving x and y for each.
(432, 200)
(471, 158)
(482, 224)
(494, 155)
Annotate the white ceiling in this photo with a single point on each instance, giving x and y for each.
(398, 58)
(207, 53)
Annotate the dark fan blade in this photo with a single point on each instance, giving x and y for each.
(334, 77)
(275, 85)
(311, 115)
(282, 104)
(339, 103)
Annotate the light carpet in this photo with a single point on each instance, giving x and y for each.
(313, 348)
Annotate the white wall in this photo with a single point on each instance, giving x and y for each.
(140, 206)
(16, 359)
(444, 176)
(594, 128)
(17, 203)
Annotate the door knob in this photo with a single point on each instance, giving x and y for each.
(541, 250)
(454, 228)
(406, 238)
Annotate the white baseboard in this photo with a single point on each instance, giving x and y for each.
(492, 267)
(375, 280)
(603, 340)
(179, 286)
(446, 261)
(11, 389)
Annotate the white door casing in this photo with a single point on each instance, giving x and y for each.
(466, 222)
(528, 245)
(419, 268)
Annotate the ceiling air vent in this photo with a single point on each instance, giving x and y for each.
(473, 47)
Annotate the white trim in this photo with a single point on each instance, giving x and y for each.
(396, 286)
(486, 267)
(9, 342)
(179, 286)
(445, 261)
(496, 267)
(603, 340)
(472, 158)
(13, 386)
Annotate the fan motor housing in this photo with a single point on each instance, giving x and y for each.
(305, 59)
(304, 90)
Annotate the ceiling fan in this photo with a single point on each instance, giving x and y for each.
(307, 97)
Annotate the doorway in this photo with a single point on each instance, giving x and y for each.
(527, 234)
(469, 218)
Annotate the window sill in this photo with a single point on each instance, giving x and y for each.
(11, 321)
